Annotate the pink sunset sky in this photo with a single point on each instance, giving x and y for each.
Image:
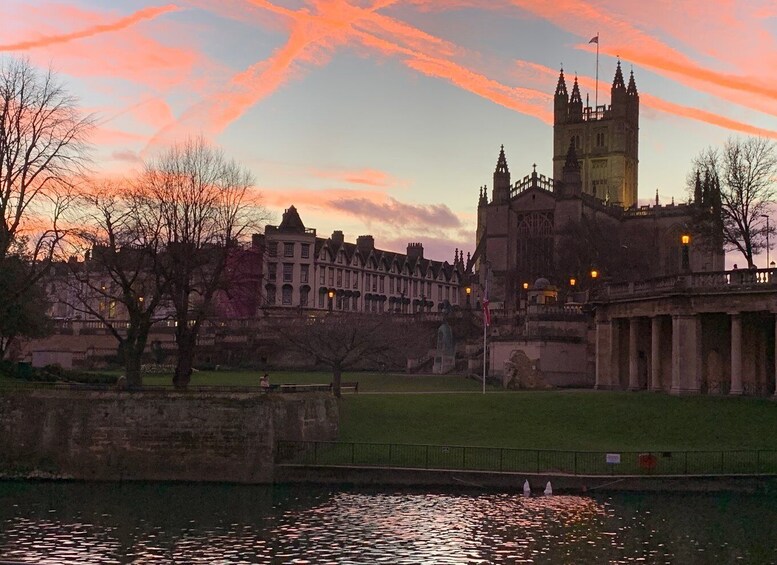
(385, 117)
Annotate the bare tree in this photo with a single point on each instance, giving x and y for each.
(42, 150)
(741, 180)
(119, 282)
(347, 341)
(201, 203)
(42, 153)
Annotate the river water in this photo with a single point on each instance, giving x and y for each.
(47, 522)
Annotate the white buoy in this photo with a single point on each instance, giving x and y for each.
(526, 488)
(548, 489)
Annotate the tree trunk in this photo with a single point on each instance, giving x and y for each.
(134, 346)
(183, 367)
(336, 380)
(132, 362)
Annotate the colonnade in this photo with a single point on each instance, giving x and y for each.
(684, 353)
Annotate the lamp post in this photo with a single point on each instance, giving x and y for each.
(767, 237)
(468, 290)
(331, 295)
(685, 239)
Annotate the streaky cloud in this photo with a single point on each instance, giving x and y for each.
(123, 23)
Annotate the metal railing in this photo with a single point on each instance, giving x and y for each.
(539, 461)
(740, 280)
(21, 384)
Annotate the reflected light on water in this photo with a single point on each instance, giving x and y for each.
(78, 523)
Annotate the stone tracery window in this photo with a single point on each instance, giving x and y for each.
(535, 244)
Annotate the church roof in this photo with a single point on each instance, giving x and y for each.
(291, 221)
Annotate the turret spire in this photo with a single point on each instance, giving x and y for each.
(618, 80)
(561, 87)
(501, 163)
(632, 88)
(501, 194)
(575, 98)
(571, 163)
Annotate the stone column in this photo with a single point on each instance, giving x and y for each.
(633, 354)
(736, 353)
(775, 356)
(686, 354)
(655, 355)
(603, 354)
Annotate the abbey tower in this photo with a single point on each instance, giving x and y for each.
(605, 139)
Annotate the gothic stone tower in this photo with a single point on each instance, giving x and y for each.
(605, 139)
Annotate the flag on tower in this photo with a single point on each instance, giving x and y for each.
(595, 39)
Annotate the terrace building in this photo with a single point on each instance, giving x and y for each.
(304, 271)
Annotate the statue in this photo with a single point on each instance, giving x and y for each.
(445, 355)
(521, 373)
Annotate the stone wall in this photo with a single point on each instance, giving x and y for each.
(115, 435)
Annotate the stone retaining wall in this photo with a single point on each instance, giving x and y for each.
(115, 435)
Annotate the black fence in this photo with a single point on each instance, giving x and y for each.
(507, 460)
(11, 385)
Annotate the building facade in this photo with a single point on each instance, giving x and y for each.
(586, 217)
(605, 138)
(304, 271)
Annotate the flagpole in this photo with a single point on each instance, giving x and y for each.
(596, 95)
(485, 327)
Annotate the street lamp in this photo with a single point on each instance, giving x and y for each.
(685, 239)
(594, 274)
(767, 237)
(468, 290)
(572, 282)
(331, 295)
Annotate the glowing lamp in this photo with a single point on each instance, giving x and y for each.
(685, 239)
(594, 274)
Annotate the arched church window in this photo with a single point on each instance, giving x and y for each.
(535, 244)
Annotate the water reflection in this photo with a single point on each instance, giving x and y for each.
(153, 523)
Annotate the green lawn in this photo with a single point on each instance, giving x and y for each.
(449, 410)
(573, 420)
(368, 382)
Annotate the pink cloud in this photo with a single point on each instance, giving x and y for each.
(127, 51)
(365, 205)
(370, 177)
(122, 23)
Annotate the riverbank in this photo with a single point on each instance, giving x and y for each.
(356, 476)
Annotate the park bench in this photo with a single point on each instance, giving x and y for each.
(347, 385)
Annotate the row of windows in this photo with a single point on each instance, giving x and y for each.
(443, 293)
(601, 140)
(288, 249)
(288, 272)
(343, 278)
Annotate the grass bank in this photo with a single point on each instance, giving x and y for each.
(368, 382)
(565, 420)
